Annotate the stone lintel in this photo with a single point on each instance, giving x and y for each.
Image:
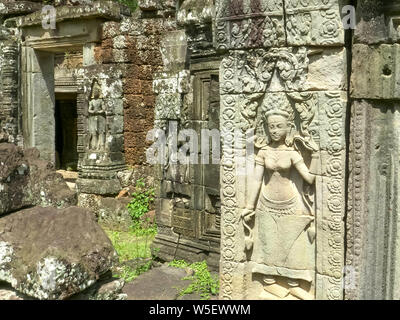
(391, 9)
(68, 34)
(107, 10)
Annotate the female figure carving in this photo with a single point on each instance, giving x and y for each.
(97, 120)
(279, 217)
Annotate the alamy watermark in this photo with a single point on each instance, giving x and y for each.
(49, 14)
(349, 17)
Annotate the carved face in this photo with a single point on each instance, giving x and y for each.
(278, 127)
(96, 91)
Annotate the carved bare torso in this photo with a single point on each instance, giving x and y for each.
(278, 163)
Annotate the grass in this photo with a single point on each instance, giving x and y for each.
(203, 282)
(132, 246)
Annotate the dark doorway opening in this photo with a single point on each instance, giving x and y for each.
(66, 131)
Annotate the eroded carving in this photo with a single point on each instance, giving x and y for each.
(97, 119)
(250, 24)
(253, 71)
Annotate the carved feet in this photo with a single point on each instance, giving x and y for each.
(287, 289)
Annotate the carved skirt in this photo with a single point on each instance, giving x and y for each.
(281, 243)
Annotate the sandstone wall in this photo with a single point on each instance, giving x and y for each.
(133, 45)
(10, 129)
(372, 257)
(188, 194)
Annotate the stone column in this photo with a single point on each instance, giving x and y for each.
(173, 188)
(10, 69)
(100, 130)
(38, 101)
(282, 58)
(9, 72)
(373, 247)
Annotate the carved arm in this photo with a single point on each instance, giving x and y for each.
(255, 187)
(91, 107)
(309, 175)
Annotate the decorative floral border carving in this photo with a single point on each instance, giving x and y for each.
(335, 186)
(355, 199)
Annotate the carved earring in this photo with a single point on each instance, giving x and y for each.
(266, 131)
(289, 137)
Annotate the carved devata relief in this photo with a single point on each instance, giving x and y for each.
(97, 119)
(279, 216)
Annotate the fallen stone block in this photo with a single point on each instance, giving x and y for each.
(47, 253)
(28, 181)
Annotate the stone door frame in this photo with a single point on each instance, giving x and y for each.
(37, 76)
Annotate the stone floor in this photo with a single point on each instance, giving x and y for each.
(70, 178)
(161, 283)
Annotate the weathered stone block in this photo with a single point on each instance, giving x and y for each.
(173, 50)
(372, 248)
(327, 70)
(318, 23)
(168, 106)
(133, 86)
(119, 56)
(69, 254)
(164, 212)
(244, 24)
(168, 85)
(371, 25)
(149, 5)
(17, 8)
(26, 180)
(375, 72)
(100, 187)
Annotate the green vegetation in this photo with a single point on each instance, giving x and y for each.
(138, 207)
(203, 282)
(130, 248)
(133, 246)
(131, 4)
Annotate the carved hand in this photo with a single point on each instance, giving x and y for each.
(315, 164)
(311, 234)
(247, 214)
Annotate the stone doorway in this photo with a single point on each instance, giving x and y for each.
(66, 118)
(62, 61)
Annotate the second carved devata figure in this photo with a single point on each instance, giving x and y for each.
(97, 119)
(279, 218)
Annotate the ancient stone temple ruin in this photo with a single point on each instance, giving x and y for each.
(289, 107)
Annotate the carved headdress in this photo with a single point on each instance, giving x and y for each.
(96, 88)
(275, 104)
(278, 105)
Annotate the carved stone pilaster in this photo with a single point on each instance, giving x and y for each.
(100, 130)
(9, 73)
(272, 64)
